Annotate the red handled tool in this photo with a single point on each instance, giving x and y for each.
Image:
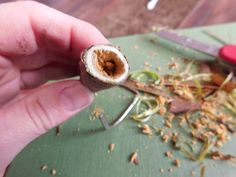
(225, 54)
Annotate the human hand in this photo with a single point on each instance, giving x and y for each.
(38, 44)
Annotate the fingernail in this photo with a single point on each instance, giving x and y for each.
(76, 97)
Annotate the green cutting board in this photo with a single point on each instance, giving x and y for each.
(81, 149)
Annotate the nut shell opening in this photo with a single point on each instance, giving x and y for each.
(109, 63)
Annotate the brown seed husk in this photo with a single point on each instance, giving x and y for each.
(111, 147)
(169, 155)
(146, 129)
(134, 158)
(177, 162)
(180, 105)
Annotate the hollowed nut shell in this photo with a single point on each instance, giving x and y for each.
(102, 67)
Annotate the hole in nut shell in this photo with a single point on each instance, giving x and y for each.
(109, 64)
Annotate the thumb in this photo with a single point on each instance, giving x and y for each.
(36, 112)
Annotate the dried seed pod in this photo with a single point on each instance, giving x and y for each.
(103, 66)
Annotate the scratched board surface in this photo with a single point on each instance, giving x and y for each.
(81, 149)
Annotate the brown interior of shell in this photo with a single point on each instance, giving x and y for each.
(109, 64)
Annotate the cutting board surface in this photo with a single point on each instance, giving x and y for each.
(81, 149)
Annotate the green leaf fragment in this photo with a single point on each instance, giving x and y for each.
(137, 75)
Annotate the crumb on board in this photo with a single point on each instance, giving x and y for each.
(134, 158)
(193, 142)
(165, 138)
(146, 129)
(170, 117)
(158, 68)
(96, 113)
(147, 64)
(153, 54)
(162, 170)
(136, 47)
(139, 126)
(111, 147)
(177, 162)
(44, 167)
(168, 124)
(193, 173)
(162, 100)
(162, 110)
(174, 137)
(170, 170)
(160, 132)
(169, 154)
(173, 65)
(53, 172)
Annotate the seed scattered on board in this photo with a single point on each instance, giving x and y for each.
(162, 170)
(111, 147)
(53, 172)
(134, 158)
(177, 162)
(44, 167)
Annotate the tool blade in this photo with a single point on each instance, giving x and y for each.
(185, 41)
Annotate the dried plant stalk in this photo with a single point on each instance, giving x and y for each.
(103, 66)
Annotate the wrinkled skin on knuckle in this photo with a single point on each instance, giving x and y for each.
(9, 81)
(38, 114)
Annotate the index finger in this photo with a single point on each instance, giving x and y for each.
(39, 26)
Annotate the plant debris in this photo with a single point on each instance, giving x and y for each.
(53, 172)
(180, 106)
(216, 155)
(142, 115)
(173, 65)
(162, 111)
(165, 138)
(134, 158)
(169, 155)
(96, 113)
(202, 104)
(176, 162)
(146, 88)
(146, 129)
(44, 167)
(111, 147)
(203, 171)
